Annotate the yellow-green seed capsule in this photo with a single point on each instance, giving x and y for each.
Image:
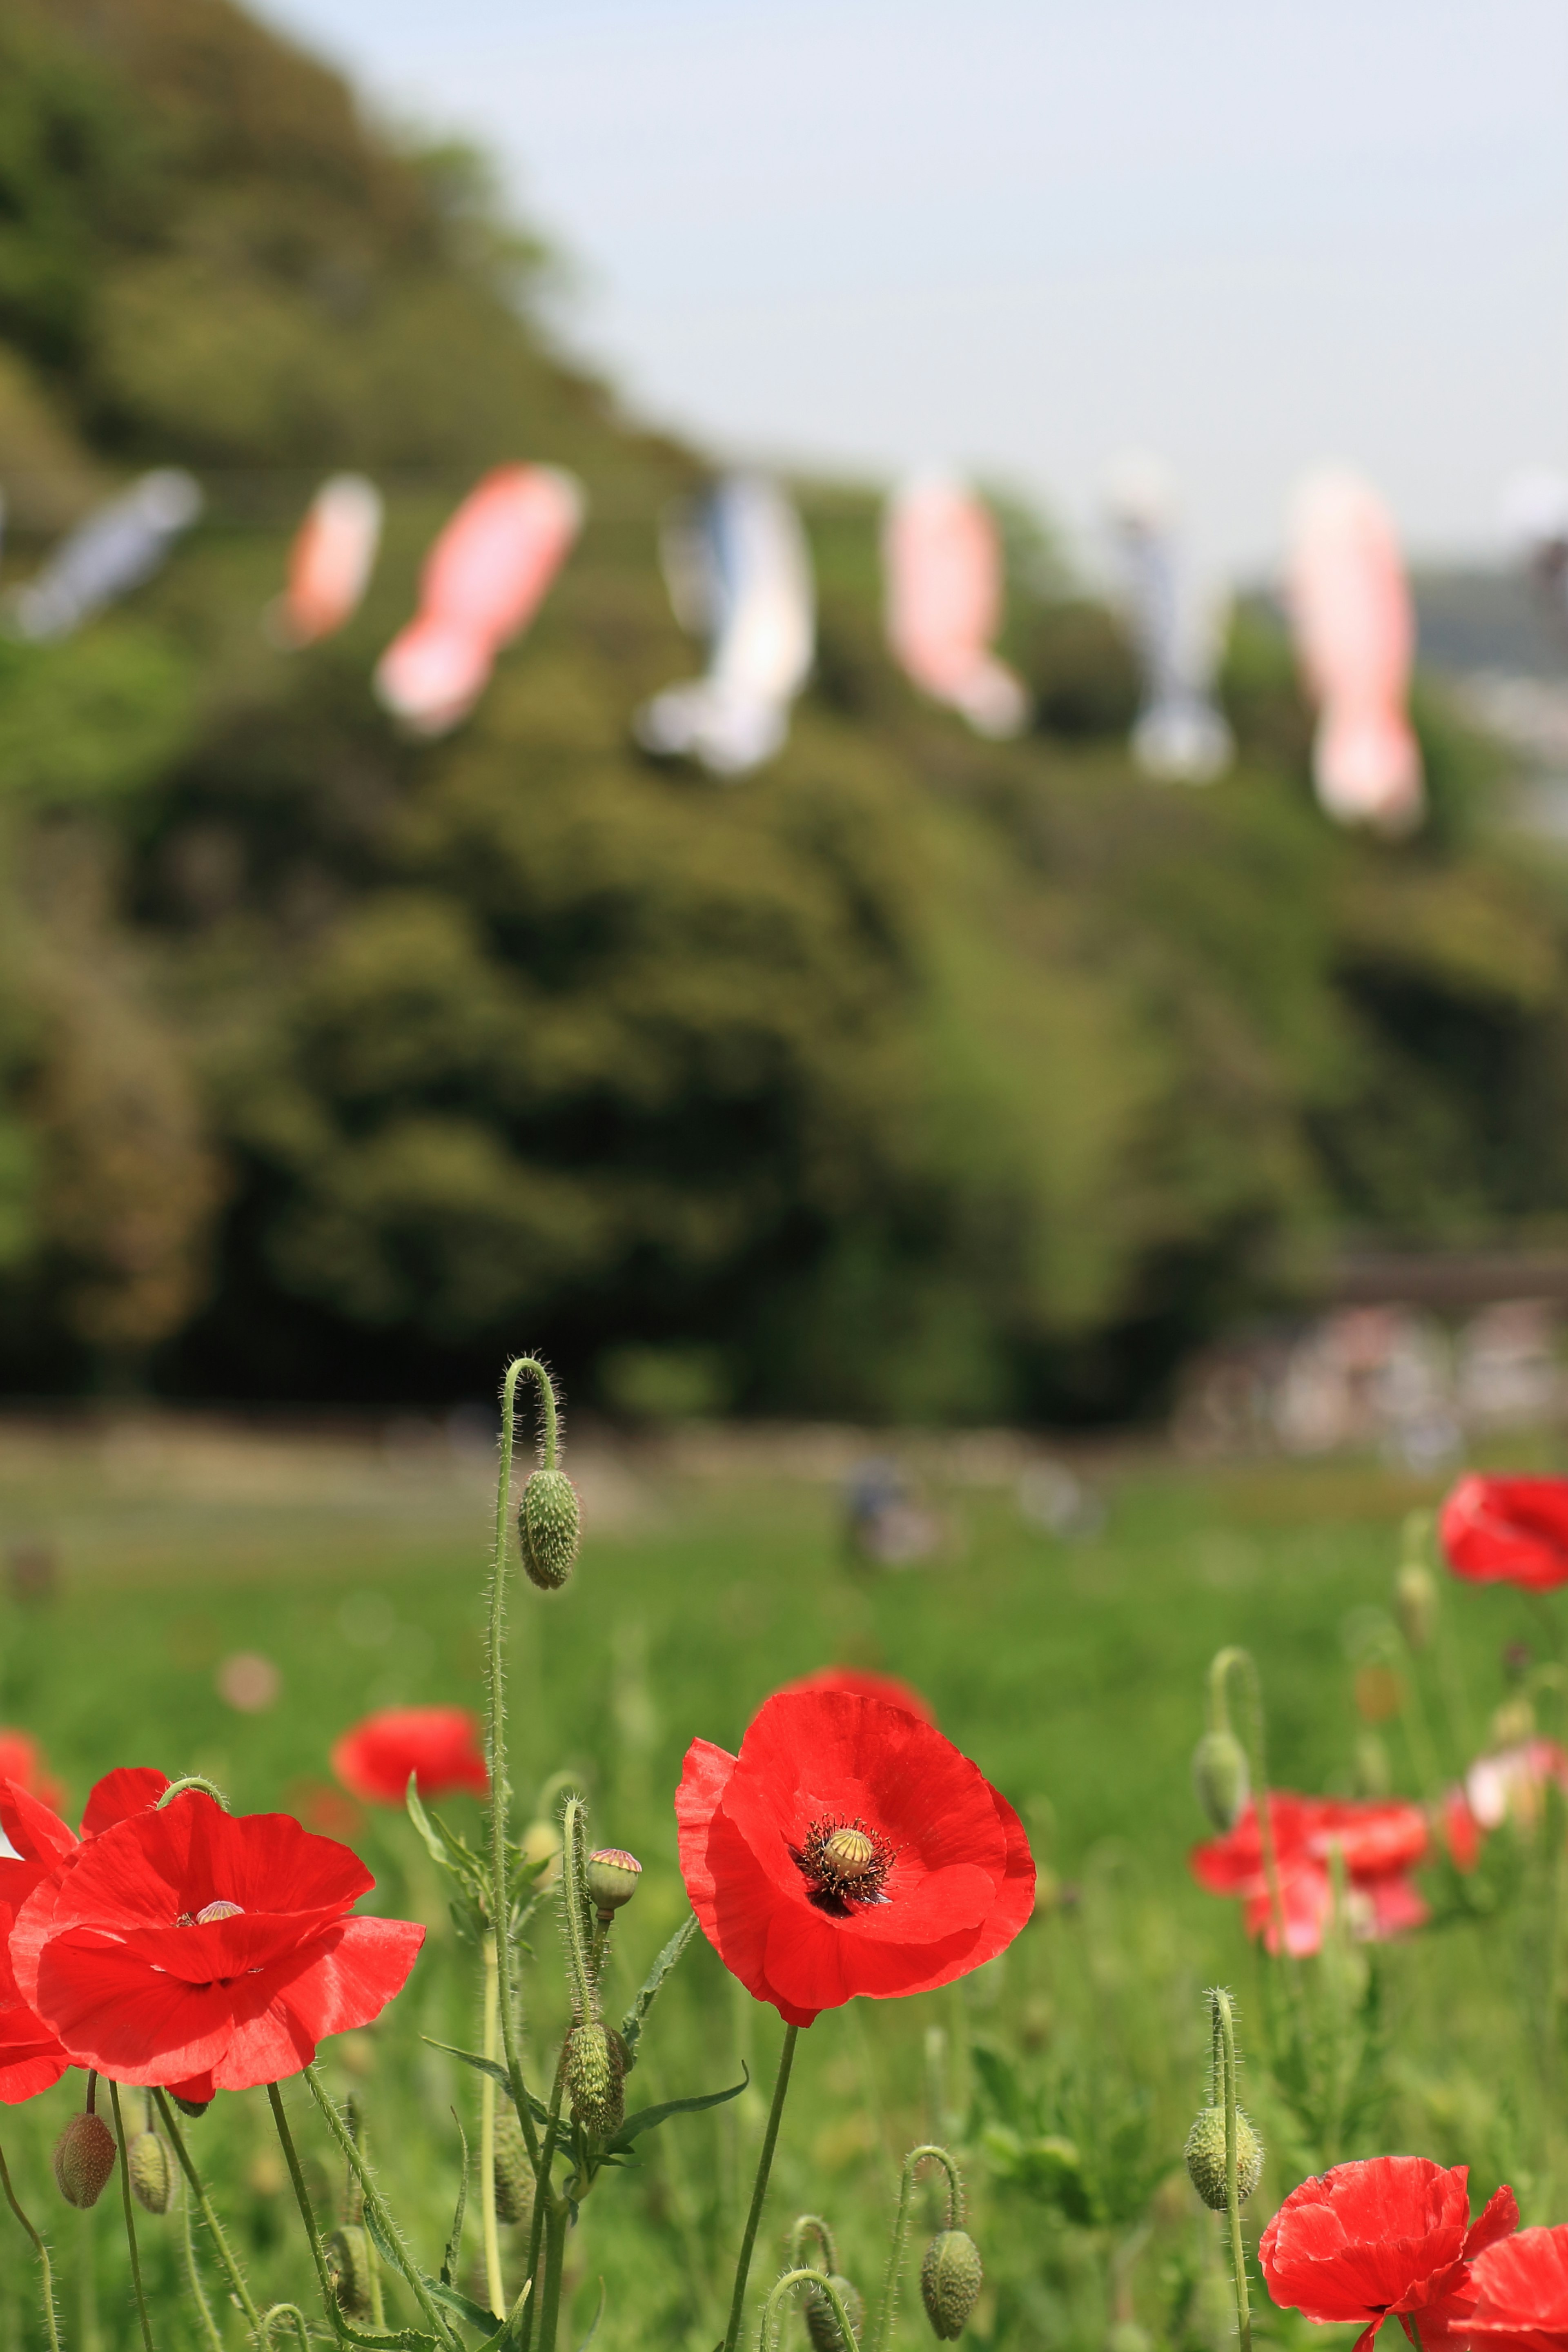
(513, 2172)
(151, 2171)
(84, 2159)
(822, 2320)
(1416, 1603)
(1205, 2158)
(1220, 1777)
(349, 2258)
(596, 2071)
(613, 1876)
(548, 1528)
(951, 2276)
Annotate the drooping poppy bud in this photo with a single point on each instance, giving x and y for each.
(348, 2259)
(613, 1876)
(1416, 1603)
(548, 1528)
(950, 2278)
(84, 2159)
(596, 2071)
(1204, 2153)
(513, 2172)
(822, 2320)
(1220, 1777)
(151, 2171)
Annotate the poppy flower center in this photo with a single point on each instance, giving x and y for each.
(845, 1863)
(209, 1912)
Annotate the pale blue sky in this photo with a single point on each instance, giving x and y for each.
(1022, 235)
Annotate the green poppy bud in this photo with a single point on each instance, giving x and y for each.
(84, 2159)
(513, 2172)
(595, 2072)
(1205, 2158)
(348, 2258)
(1220, 1777)
(950, 2278)
(1416, 1603)
(613, 1876)
(822, 2320)
(548, 1528)
(152, 2171)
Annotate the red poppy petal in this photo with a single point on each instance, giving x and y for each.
(1498, 2218)
(214, 1952)
(31, 2059)
(33, 1828)
(352, 1973)
(134, 1789)
(148, 1870)
(704, 1778)
(1507, 1529)
(113, 2013)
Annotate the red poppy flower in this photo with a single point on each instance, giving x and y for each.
(1520, 2291)
(887, 1687)
(1381, 1843)
(31, 2058)
(440, 1745)
(848, 1849)
(22, 1760)
(204, 1951)
(1508, 1530)
(1369, 2241)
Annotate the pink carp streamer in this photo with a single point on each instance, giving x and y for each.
(942, 564)
(483, 581)
(331, 562)
(1355, 639)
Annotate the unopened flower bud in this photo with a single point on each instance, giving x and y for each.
(1220, 1777)
(152, 2171)
(84, 2159)
(950, 2279)
(195, 2108)
(1205, 2158)
(548, 1528)
(348, 2258)
(595, 2072)
(1416, 1603)
(613, 1876)
(513, 2172)
(822, 2320)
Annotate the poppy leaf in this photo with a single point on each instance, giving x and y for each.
(510, 2334)
(391, 2254)
(454, 2242)
(489, 2067)
(652, 1985)
(463, 2305)
(649, 2118)
(446, 1850)
(597, 2318)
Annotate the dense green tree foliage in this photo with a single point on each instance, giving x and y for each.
(914, 1076)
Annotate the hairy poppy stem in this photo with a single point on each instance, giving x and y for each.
(554, 2258)
(276, 2312)
(130, 2221)
(929, 2152)
(51, 2324)
(821, 2285)
(495, 2287)
(1225, 2069)
(243, 2295)
(574, 1924)
(192, 1781)
(307, 2214)
(759, 2189)
(542, 2192)
(383, 2229)
(495, 1727)
(194, 2280)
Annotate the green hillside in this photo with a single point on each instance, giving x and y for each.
(913, 1077)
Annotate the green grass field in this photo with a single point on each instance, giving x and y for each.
(1071, 1669)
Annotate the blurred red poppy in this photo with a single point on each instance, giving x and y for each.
(22, 1760)
(1507, 1531)
(42, 1847)
(1380, 1839)
(1377, 2240)
(205, 1951)
(1520, 2291)
(440, 1746)
(887, 1687)
(848, 1849)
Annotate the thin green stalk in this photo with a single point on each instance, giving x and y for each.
(307, 2213)
(1224, 2033)
(125, 2199)
(193, 2281)
(495, 1721)
(494, 2284)
(376, 2205)
(291, 2311)
(40, 2250)
(758, 2191)
(812, 2225)
(929, 2152)
(243, 2295)
(820, 2285)
(554, 2259)
(575, 1913)
(192, 1781)
(542, 2194)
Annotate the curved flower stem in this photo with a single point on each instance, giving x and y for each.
(243, 2295)
(928, 2152)
(40, 2250)
(1225, 2069)
(275, 2311)
(821, 2285)
(494, 2284)
(193, 2281)
(130, 2219)
(759, 2189)
(191, 1781)
(384, 2229)
(812, 2225)
(495, 1722)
